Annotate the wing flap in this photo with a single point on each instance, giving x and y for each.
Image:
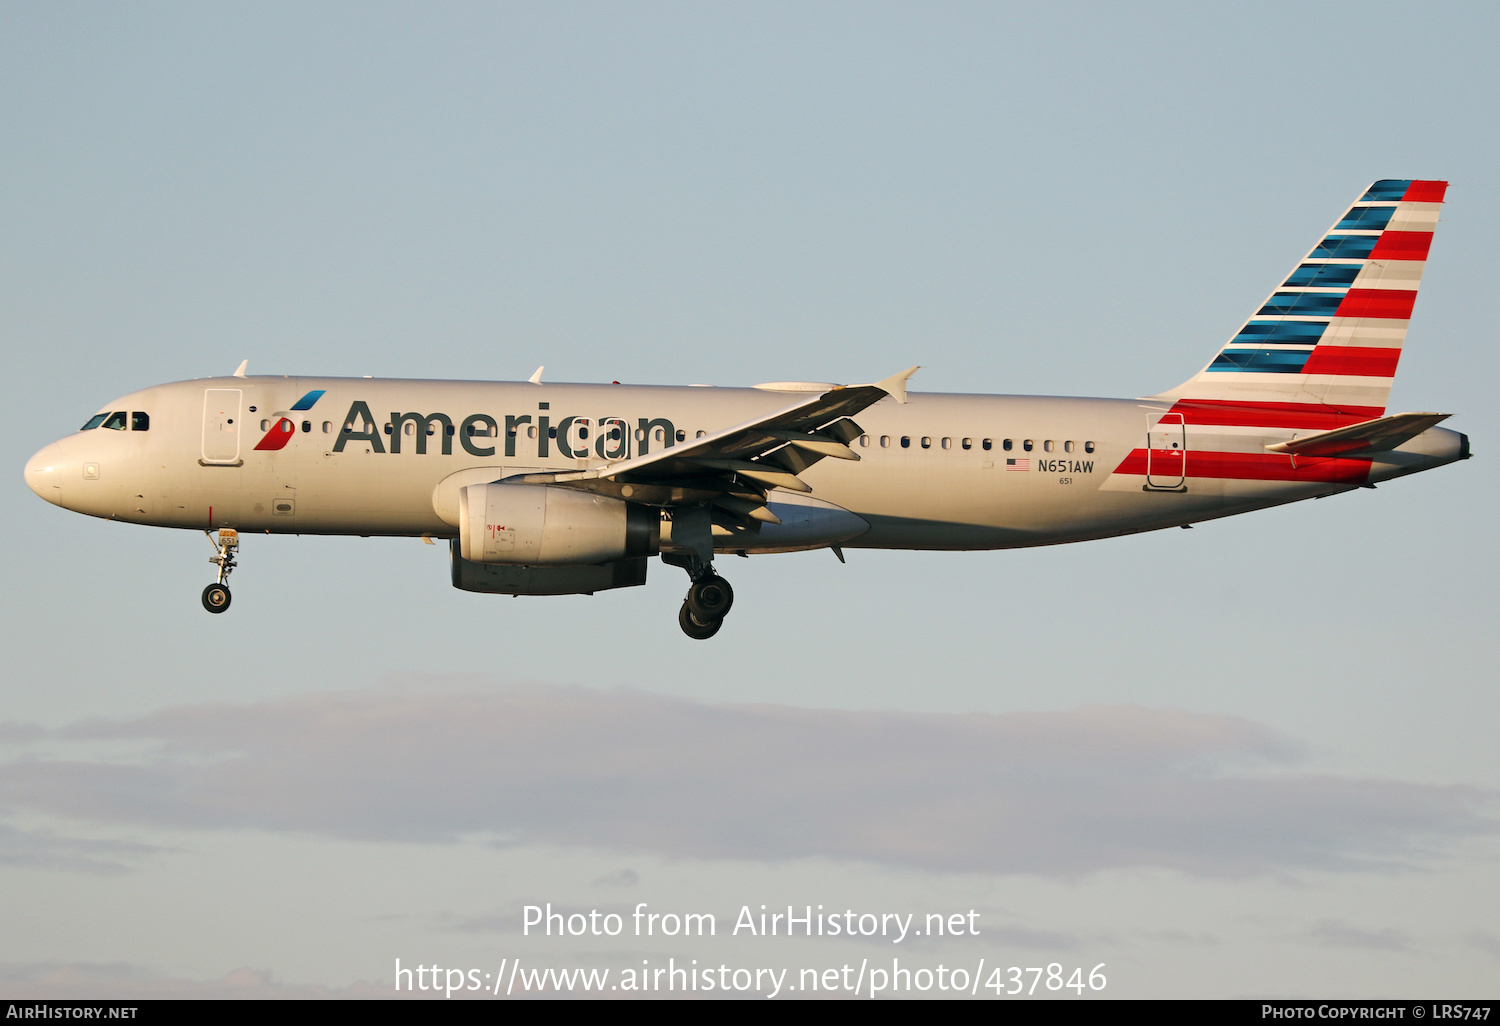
(817, 426)
(745, 461)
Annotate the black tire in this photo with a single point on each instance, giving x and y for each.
(710, 598)
(216, 598)
(693, 628)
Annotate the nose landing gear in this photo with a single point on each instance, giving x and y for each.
(216, 596)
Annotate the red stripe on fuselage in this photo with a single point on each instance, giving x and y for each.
(1360, 360)
(1238, 413)
(1395, 304)
(1252, 466)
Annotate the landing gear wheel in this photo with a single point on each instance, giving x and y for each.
(216, 595)
(710, 598)
(216, 598)
(693, 628)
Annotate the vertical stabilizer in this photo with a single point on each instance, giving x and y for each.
(1331, 335)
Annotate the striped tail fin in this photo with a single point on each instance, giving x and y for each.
(1331, 335)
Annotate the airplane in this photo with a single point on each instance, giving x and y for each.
(555, 489)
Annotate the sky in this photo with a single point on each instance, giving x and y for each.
(1254, 759)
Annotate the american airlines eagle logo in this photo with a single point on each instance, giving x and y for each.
(282, 431)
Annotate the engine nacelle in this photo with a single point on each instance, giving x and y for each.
(504, 579)
(544, 525)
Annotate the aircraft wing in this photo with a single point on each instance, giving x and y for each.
(734, 467)
(1371, 436)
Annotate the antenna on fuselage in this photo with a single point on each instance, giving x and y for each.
(243, 367)
(536, 379)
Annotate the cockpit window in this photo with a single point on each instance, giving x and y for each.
(140, 421)
(116, 421)
(94, 422)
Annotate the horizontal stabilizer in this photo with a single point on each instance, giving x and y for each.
(1372, 436)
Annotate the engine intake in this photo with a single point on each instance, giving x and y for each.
(544, 525)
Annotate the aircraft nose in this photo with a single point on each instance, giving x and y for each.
(44, 473)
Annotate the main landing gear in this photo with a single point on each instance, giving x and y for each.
(216, 596)
(708, 600)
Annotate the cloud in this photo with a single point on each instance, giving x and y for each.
(1339, 934)
(622, 879)
(20, 733)
(43, 849)
(1031, 940)
(1038, 792)
(120, 981)
(1479, 940)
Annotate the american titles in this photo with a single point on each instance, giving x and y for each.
(572, 437)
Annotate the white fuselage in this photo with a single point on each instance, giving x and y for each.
(933, 473)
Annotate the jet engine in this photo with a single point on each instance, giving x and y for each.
(505, 579)
(544, 525)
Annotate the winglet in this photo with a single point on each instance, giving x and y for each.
(895, 385)
(536, 379)
(243, 367)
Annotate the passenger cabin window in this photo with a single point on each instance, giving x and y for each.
(885, 441)
(1028, 444)
(947, 443)
(987, 444)
(906, 441)
(864, 441)
(926, 442)
(1088, 446)
(681, 435)
(1067, 447)
(968, 443)
(1007, 445)
(116, 421)
(700, 434)
(328, 427)
(140, 421)
(265, 425)
(94, 422)
(1047, 445)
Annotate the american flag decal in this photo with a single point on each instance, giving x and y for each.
(1018, 464)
